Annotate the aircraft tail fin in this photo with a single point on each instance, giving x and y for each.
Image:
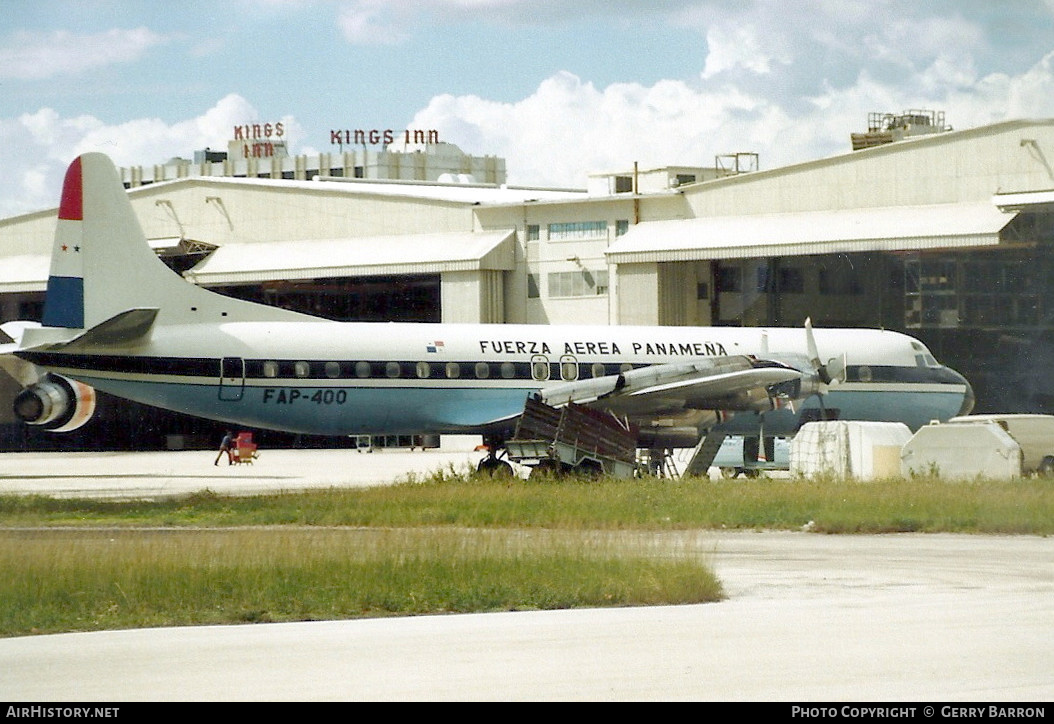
(102, 266)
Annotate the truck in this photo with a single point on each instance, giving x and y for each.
(573, 438)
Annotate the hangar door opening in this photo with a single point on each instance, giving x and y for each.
(412, 298)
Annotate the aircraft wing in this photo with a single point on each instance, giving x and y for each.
(717, 383)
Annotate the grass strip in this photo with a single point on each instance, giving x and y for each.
(1024, 506)
(80, 580)
(444, 543)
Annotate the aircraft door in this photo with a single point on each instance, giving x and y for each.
(568, 368)
(232, 378)
(539, 368)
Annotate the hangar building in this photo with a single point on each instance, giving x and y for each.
(945, 234)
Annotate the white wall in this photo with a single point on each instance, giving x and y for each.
(949, 167)
(472, 297)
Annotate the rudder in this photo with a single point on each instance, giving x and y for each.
(102, 265)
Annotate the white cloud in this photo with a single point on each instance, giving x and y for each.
(788, 81)
(29, 56)
(568, 128)
(38, 146)
(1032, 95)
(738, 47)
(373, 22)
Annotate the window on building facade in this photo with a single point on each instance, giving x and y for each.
(533, 291)
(993, 291)
(791, 281)
(582, 283)
(533, 232)
(621, 227)
(762, 279)
(785, 280)
(577, 230)
(729, 279)
(623, 184)
(840, 281)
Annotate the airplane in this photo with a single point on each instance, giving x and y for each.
(117, 319)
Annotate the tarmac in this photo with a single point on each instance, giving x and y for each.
(909, 618)
(156, 474)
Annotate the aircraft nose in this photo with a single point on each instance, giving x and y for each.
(968, 397)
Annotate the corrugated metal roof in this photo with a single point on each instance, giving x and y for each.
(897, 228)
(357, 256)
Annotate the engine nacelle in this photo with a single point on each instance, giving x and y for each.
(56, 403)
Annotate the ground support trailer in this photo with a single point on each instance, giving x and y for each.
(573, 438)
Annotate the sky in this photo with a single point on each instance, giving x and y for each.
(558, 89)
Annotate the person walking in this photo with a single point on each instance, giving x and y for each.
(225, 447)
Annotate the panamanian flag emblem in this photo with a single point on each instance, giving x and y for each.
(434, 347)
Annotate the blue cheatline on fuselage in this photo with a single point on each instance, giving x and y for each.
(348, 410)
(913, 407)
(331, 410)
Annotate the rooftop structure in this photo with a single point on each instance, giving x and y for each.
(885, 128)
(268, 157)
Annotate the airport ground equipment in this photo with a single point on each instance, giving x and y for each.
(962, 452)
(859, 450)
(1034, 433)
(573, 438)
(244, 450)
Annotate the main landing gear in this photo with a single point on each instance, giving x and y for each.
(493, 464)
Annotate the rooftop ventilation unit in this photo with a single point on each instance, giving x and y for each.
(883, 128)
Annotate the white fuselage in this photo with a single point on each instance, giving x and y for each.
(406, 378)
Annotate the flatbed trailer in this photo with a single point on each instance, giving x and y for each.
(573, 438)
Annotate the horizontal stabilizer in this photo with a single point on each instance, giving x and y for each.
(24, 373)
(124, 329)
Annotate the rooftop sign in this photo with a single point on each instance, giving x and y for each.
(376, 136)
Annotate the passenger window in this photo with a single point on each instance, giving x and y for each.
(508, 370)
(301, 369)
(540, 368)
(568, 369)
(333, 370)
(362, 370)
(597, 369)
(270, 369)
(482, 370)
(424, 370)
(453, 370)
(392, 370)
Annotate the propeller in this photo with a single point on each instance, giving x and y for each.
(831, 373)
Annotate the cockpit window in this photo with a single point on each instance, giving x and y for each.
(923, 358)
